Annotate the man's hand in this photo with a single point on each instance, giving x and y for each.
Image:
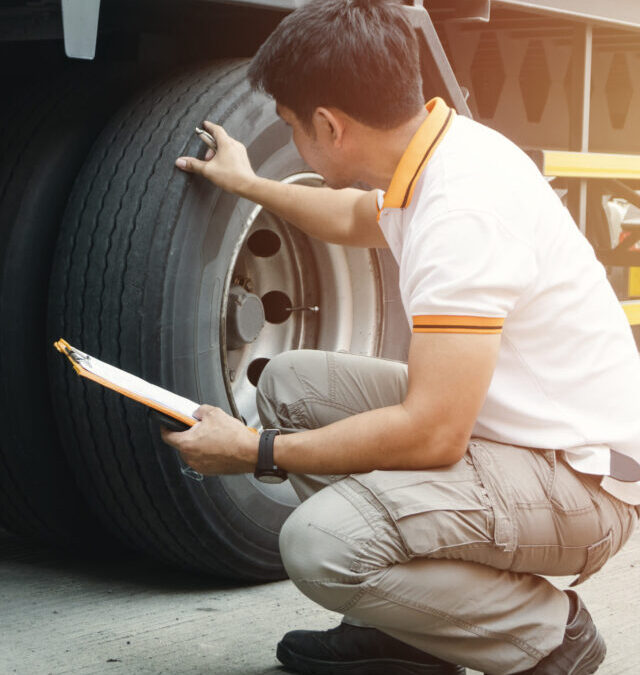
(218, 444)
(346, 217)
(229, 167)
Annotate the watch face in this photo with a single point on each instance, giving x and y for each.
(271, 478)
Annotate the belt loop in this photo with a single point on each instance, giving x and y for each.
(552, 459)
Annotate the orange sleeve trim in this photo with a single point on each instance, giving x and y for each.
(460, 329)
(481, 325)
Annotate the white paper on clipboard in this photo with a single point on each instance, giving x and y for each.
(129, 385)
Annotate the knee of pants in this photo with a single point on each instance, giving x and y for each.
(317, 554)
(266, 397)
(279, 384)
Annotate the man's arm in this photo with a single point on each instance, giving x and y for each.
(449, 375)
(347, 217)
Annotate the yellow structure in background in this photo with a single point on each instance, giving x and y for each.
(632, 310)
(589, 165)
(634, 282)
(585, 165)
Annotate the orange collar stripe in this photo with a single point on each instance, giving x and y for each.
(418, 152)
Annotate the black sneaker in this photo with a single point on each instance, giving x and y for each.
(358, 651)
(582, 650)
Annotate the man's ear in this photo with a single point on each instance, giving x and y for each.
(329, 124)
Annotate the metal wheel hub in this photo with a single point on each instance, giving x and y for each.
(245, 317)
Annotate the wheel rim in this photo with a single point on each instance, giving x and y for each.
(278, 264)
(274, 261)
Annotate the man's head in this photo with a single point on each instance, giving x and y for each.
(338, 61)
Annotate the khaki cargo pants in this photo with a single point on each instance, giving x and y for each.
(447, 559)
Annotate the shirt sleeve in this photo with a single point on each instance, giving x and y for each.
(379, 203)
(465, 272)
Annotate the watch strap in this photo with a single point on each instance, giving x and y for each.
(265, 451)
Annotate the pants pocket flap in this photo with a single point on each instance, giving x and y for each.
(597, 556)
(410, 493)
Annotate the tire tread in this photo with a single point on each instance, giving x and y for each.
(93, 267)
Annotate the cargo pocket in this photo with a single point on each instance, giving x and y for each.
(597, 556)
(436, 512)
(486, 460)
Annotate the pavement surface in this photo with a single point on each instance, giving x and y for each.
(60, 614)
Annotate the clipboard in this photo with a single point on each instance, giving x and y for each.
(168, 405)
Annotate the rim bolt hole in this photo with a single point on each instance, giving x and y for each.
(255, 370)
(275, 305)
(264, 243)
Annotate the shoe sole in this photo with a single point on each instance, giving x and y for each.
(596, 657)
(584, 663)
(306, 666)
(591, 659)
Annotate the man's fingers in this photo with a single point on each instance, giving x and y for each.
(190, 164)
(170, 437)
(202, 410)
(193, 165)
(216, 130)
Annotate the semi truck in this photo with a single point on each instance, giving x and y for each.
(106, 244)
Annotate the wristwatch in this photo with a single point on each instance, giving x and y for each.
(266, 471)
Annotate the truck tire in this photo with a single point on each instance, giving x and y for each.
(166, 276)
(48, 130)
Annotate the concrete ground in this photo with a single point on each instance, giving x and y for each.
(63, 615)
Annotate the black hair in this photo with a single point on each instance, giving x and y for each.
(360, 56)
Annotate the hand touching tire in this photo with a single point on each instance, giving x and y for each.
(229, 167)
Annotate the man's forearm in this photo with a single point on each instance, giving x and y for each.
(323, 213)
(383, 438)
(345, 217)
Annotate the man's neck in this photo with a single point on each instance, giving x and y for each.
(382, 149)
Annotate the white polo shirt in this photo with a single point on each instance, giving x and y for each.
(484, 245)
